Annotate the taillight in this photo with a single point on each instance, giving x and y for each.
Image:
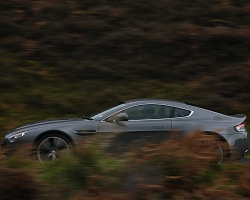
(240, 127)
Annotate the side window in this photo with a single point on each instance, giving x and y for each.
(148, 111)
(178, 112)
(165, 112)
(162, 111)
(135, 113)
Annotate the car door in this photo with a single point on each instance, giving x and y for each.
(147, 122)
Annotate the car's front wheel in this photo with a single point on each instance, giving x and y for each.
(52, 147)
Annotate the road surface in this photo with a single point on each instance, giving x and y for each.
(243, 160)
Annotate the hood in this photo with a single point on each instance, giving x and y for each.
(48, 122)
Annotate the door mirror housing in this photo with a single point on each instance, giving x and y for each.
(122, 117)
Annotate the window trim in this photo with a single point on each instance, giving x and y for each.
(160, 104)
(191, 112)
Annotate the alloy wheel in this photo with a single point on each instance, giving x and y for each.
(51, 148)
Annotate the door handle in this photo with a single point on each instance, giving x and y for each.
(158, 127)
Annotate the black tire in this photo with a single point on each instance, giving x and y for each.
(52, 146)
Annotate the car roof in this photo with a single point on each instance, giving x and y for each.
(151, 100)
(200, 111)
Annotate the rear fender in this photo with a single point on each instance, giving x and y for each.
(225, 146)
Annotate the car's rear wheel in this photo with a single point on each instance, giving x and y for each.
(215, 147)
(219, 151)
(51, 147)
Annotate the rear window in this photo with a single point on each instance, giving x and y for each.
(179, 112)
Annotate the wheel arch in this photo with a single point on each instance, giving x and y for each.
(55, 132)
(222, 139)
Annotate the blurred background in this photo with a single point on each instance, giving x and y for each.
(61, 58)
(64, 58)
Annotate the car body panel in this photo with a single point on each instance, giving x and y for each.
(153, 129)
(137, 130)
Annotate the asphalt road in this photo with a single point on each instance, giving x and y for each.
(243, 160)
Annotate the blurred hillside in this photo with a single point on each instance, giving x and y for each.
(67, 57)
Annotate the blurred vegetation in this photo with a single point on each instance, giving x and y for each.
(64, 58)
(173, 169)
(67, 57)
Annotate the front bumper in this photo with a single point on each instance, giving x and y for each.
(2, 143)
(6, 148)
(2, 146)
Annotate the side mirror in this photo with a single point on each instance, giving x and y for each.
(122, 117)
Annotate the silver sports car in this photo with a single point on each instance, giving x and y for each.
(134, 120)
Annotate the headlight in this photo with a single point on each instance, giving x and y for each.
(12, 138)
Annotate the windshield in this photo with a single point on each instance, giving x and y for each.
(107, 112)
